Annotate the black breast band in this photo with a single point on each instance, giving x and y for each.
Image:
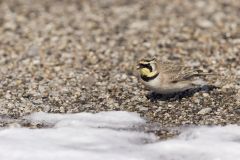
(145, 78)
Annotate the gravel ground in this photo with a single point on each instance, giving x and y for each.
(73, 56)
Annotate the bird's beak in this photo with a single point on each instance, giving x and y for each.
(138, 66)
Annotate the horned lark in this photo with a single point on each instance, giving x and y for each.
(167, 78)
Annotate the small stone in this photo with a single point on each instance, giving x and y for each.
(143, 109)
(159, 109)
(36, 62)
(33, 50)
(37, 101)
(196, 100)
(62, 110)
(46, 108)
(205, 111)
(227, 86)
(147, 44)
(8, 95)
(204, 23)
(205, 95)
(161, 102)
(124, 77)
(237, 111)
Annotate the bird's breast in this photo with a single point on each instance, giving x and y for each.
(154, 83)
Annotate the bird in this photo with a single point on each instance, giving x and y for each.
(165, 77)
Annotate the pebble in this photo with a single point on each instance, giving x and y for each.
(204, 23)
(8, 95)
(205, 111)
(159, 109)
(205, 95)
(37, 101)
(143, 109)
(227, 86)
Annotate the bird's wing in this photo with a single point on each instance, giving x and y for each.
(176, 73)
(185, 75)
(168, 67)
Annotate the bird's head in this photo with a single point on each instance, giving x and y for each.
(147, 67)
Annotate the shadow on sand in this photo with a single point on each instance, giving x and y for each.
(179, 95)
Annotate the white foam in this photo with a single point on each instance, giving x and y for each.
(109, 135)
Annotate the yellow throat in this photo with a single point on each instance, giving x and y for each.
(146, 72)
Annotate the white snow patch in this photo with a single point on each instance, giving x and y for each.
(106, 135)
(103, 119)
